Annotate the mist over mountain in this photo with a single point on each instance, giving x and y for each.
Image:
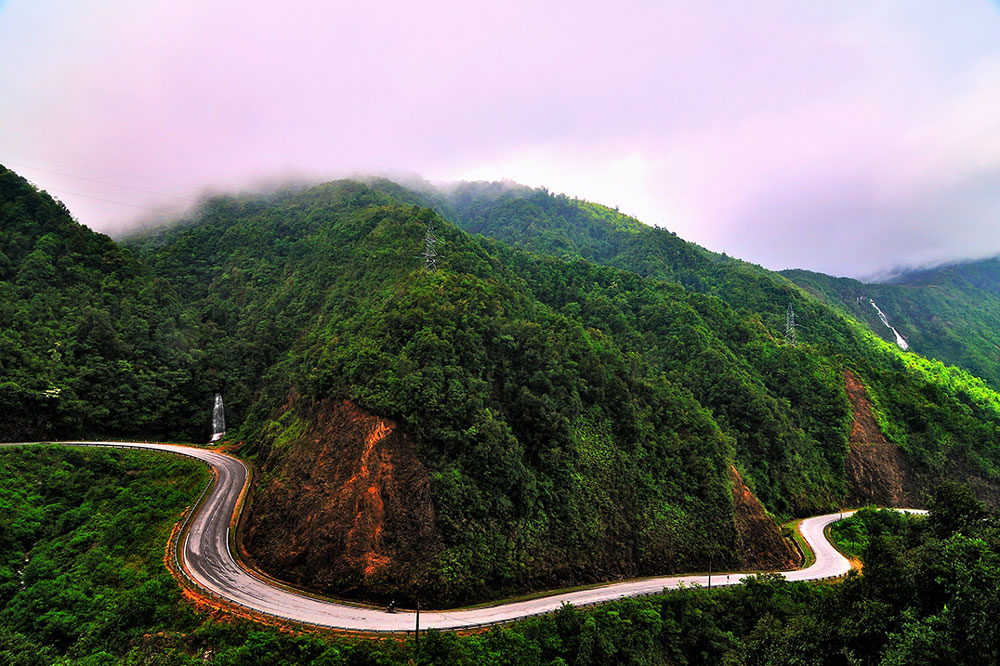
(832, 136)
(563, 392)
(665, 278)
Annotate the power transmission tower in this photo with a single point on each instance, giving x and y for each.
(430, 248)
(790, 325)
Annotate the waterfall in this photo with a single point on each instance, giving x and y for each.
(218, 419)
(881, 315)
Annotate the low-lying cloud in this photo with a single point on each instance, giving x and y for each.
(849, 138)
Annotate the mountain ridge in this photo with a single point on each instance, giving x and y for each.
(949, 312)
(577, 419)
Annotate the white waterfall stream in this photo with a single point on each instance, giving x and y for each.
(881, 315)
(218, 419)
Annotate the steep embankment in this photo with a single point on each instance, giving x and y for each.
(877, 471)
(343, 504)
(89, 342)
(761, 543)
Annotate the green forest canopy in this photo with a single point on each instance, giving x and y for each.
(578, 401)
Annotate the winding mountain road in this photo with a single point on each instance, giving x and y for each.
(205, 557)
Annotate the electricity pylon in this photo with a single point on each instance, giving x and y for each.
(430, 248)
(790, 325)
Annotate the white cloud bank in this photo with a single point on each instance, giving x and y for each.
(847, 137)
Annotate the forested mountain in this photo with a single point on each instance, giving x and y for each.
(561, 226)
(553, 452)
(89, 342)
(556, 420)
(579, 398)
(951, 312)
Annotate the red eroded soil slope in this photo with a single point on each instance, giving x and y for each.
(864, 429)
(877, 472)
(760, 541)
(343, 507)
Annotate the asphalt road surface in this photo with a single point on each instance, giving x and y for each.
(207, 559)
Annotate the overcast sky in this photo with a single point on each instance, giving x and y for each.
(847, 137)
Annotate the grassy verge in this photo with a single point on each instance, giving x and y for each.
(791, 528)
(82, 578)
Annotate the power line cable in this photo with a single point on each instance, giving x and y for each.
(120, 203)
(102, 182)
(92, 168)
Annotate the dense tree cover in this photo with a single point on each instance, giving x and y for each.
(81, 549)
(575, 418)
(950, 313)
(569, 228)
(944, 419)
(89, 343)
(782, 406)
(553, 456)
(256, 274)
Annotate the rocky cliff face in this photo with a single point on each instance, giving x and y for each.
(342, 504)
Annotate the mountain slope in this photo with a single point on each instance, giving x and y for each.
(895, 382)
(552, 457)
(89, 343)
(576, 422)
(951, 313)
(509, 421)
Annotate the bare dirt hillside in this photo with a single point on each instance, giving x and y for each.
(344, 507)
(877, 472)
(760, 541)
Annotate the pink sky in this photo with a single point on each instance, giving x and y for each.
(848, 137)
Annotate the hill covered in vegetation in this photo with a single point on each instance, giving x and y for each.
(564, 413)
(89, 342)
(551, 453)
(558, 225)
(951, 313)
(580, 398)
